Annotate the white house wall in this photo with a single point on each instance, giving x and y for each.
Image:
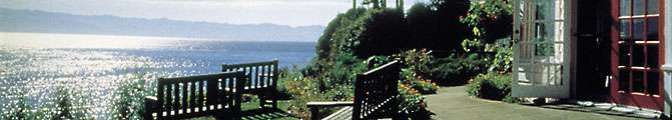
(668, 57)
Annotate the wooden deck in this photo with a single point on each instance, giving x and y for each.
(344, 113)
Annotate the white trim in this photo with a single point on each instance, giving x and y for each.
(638, 16)
(667, 67)
(642, 42)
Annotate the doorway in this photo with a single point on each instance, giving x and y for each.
(592, 50)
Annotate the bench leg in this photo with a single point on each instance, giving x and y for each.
(274, 98)
(272, 95)
(314, 113)
(150, 106)
(262, 100)
(148, 116)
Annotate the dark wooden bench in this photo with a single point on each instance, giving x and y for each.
(376, 96)
(193, 96)
(263, 77)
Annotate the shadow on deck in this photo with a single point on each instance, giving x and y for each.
(607, 109)
(265, 114)
(454, 103)
(254, 114)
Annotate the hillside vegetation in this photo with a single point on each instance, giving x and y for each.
(460, 34)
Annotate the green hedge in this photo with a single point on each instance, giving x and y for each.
(457, 70)
(492, 86)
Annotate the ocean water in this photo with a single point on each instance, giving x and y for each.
(33, 66)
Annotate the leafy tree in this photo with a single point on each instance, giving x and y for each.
(488, 20)
(323, 47)
(423, 26)
(451, 31)
(384, 33)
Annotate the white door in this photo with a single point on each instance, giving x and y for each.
(541, 49)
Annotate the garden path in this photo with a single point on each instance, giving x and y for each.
(453, 103)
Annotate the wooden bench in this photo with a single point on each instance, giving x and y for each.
(193, 96)
(376, 96)
(263, 77)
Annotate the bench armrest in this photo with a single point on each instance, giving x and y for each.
(151, 102)
(316, 106)
(151, 105)
(151, 98)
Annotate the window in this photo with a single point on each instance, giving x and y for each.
(638, 46)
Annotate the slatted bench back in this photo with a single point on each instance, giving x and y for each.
(191, 96)
(376, 94)
(262, 75)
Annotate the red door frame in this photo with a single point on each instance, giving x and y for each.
(628, 97)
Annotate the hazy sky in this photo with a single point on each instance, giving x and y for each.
(284, 12)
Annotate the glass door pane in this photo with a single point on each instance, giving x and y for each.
(638, 47)
(540, 52)
(544, 66)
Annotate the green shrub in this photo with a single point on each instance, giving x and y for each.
(454, 70)
(343, 70)
(408, 75)
(19, 110)
(416, 60)
(286, 74)
(413, 103)
(415, 70)
(304, 90)
(502, 61)
(341, 34)
(492, 85)
(341, 93)
(424, 86)
(283, 93)
(62, 103)
(361, 31)
(129, 98)
(367, 33)
(67, 105)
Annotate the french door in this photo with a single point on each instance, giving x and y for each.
(541, 47)
(637, 55)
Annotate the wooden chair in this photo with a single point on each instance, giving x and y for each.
(376, 96)
(194, 96)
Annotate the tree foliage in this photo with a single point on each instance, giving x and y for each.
(489, 21)
(383, 33)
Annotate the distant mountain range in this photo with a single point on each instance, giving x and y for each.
(12, 20)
